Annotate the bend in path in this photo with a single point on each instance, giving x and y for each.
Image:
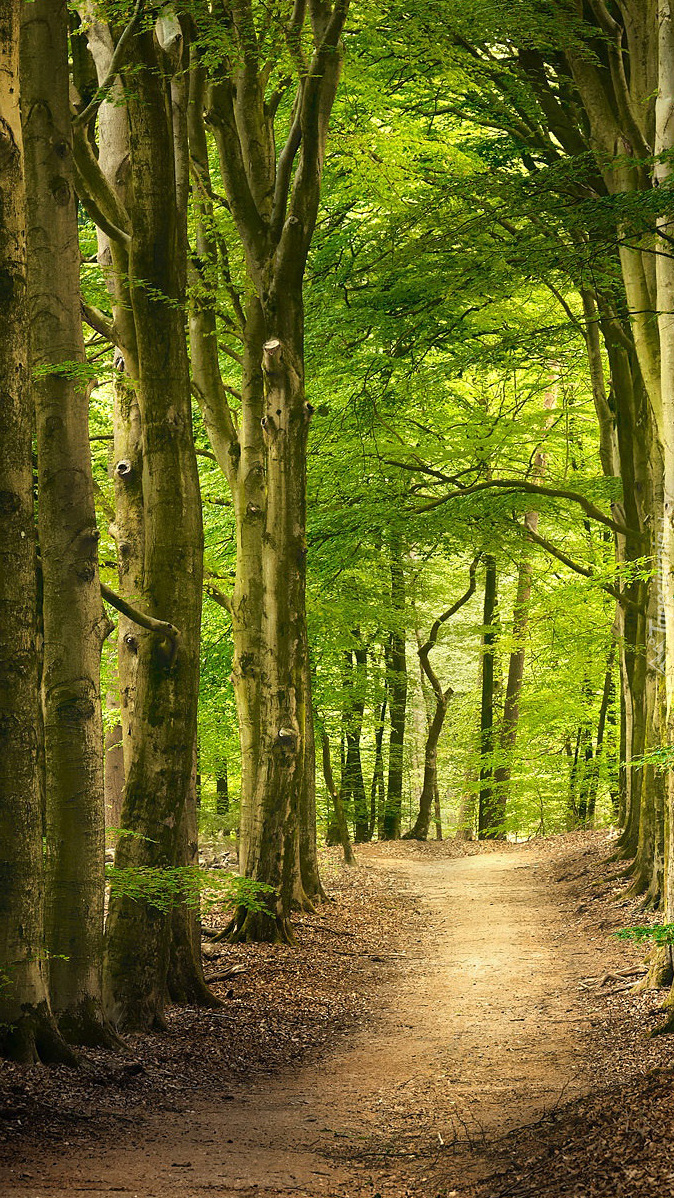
(480, 1033)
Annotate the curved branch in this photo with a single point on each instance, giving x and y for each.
(162, 628)
(584, 571)
(613, 31)
(92, 107)
(98, 321)
(218, 596)
(424, 650)
(528, 488)
(98, 198)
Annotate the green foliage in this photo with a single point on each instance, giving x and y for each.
(442, 305)
(658, 934)
(660, 758)
(191, 886)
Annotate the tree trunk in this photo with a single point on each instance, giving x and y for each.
(272, 854)
(27, 1029)
(511, 707)
(430, 784)
(396, 664)
(429, 792)
(185, 982)
(437, 813)
(488, 828)
(663, 177)
(606, 698)
(159, 774)
(353, 784)
(113, 767)
(336, 796)
(74, 621)
(222, 788)
(273, 200)
(377, 792)
(310, 890)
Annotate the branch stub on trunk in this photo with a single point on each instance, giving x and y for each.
(272, 355)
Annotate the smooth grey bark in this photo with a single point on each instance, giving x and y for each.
(159, 772)
(136, 193)
(273, 200)
(335, 793)
(74, 622)
(27, 1029)
(488, 827)
(396, 670)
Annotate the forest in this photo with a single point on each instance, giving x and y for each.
(336, 508)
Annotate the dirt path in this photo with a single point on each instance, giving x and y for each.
(481, 1032)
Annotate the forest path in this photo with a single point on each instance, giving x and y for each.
(481, 1032)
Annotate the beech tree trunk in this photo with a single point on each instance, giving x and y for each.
(222, 788)
(342, 826)
(74, 621)
(429, 791)
(396, 664)
(488, 827)
(114, 771)
(27, 1029)
(273, 199)
(606, 699)
(377, 792)
(185, 982)
(159, 774)
(353, 784)
(511, 706)
(272, 850)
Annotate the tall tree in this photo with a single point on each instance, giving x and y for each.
(147, 247)
(74, 621)
(442, 696)
(273, 201)
(488, 827)
(353, 784)
(396, 669)
(27, 1028)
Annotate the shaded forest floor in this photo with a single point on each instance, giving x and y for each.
(456, 1022)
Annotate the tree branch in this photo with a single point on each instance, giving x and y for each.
(614, 35)
(97, 196)
(528, 488)
(584, 571)
(218, 596)
(162, 628)
(98, 321)
(424, 650)
(83, 118)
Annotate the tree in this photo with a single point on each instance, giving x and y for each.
(396, 667)
(442, 697)
(147, 247)
(273, 201)
(28, 1031)
(74, 621)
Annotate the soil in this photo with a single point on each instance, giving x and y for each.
(457, 1022)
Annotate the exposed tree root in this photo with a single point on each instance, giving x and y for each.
(660, 971)
(416, 834)
(35, 1039)
(88, 1027)
(185, 982)
(260, 927)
